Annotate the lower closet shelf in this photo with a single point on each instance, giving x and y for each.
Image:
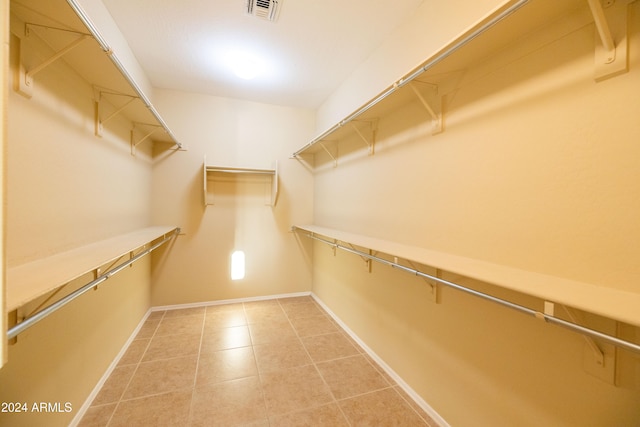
(32, 280)
(605, 301)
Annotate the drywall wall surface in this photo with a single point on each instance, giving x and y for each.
(109, 31)
(230, 133)
(59, 361)
(4, 101)
(471, 361)
(67, 188)
(538, 169)
(434, 24)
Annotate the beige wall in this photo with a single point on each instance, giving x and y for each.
(109, 31)
(432, 26)
(66, 188)
(4, 81)
(537, 169)
(230, 133)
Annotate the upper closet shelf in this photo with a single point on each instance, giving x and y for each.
(604, 301)
(442, 72)
(266, 176)
(59, 30)
(35, 279)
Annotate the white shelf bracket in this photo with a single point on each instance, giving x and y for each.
(433, 105)
(598, 359)
(98, 121)
(25, 77)
(367, 261)
(373, 128)
(275, 185)
(433, 286)
(597, 352)
(334, 158)
(610, 18)
(135, 144)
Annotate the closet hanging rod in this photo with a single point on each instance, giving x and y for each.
(538, 315)
(423, 68)
(241, 170)
(35, 318)
(107, 49)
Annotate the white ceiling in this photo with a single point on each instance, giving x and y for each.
(312, 47)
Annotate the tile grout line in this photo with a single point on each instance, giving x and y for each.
(195, 375)
(315, 365)
(255, 360)
(391, 384)
(387, 376)
(120, 399)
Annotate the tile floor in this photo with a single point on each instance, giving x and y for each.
(281, 362)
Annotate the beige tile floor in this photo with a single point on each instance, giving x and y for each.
(281, 362)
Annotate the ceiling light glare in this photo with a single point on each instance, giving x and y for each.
(244, 65)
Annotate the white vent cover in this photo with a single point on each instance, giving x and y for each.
(265, 9)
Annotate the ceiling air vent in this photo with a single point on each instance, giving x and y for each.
(265, 9)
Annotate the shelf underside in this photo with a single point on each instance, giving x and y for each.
(446, 67)
(605, 301)
(57, 25)
(32, 280)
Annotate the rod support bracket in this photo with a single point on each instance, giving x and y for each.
(100, 99)
(369, 141)
(611, 37)
(431, 100)
(334, 158)
(147, 135)
(12, 320)
(434, 288)
(24, 84)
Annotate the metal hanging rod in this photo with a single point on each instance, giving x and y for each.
(248, 171)
(522, 309)
(35, 318)
(105, 47)
(423, 68)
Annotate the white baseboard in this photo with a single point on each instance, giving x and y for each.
(87, 403)
(407, 389)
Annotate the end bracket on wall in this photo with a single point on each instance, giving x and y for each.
(611, 45)
(24, 84)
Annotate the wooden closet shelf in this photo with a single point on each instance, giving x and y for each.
(32, 280)
(612, 303)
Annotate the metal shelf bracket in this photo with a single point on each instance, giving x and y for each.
(99, 97)
(146, 136)
(432, 102)
(25, 77)
(434, 291)
(610, 18)
(334, 158)
(373, 129)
